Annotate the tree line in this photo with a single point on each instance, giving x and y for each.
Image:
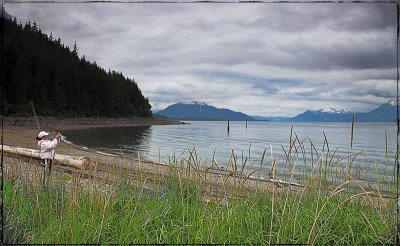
(41, 69)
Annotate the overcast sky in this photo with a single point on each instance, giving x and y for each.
(260, 59)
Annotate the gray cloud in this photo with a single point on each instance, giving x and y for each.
(382, 13)
(261, 59)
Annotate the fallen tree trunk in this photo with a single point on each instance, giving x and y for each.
(74, 161)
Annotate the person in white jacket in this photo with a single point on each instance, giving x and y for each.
(47, 152)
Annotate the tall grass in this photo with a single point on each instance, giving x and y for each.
(328, 205)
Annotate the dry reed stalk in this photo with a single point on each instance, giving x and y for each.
(287, 195)
(241, 173)
(194, 168)
(248, 176)
(379, 186)
(352, 132)
(298, 146)
(40, 217)
(223, 178)
(304, 190)
(369, 223)
(349, 155)
(272, 169)
(73, 218)
(273, 200)
(335, 192)
(319, 180)
(234, 169)
(103, 216)
(368, 197)
(259, 173)
(386, 145)
(348, 199)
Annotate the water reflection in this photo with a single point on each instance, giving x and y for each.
(131, 140)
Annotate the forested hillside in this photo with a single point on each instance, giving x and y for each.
(41, 69)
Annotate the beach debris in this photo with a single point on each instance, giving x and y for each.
(79, 162)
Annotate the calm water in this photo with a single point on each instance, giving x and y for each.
(160, 142)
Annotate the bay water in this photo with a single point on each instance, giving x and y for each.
(213, 143)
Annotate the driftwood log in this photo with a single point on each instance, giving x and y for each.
(74, 161)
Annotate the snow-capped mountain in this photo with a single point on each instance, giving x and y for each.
(331, 110)
(195, 110)
(393, 103)
(384, 113)
(194, 103)
(324, 115)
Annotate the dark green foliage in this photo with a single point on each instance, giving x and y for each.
(41, 69)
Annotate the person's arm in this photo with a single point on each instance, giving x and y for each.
(53, 144)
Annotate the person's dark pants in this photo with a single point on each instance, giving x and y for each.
(47, 169)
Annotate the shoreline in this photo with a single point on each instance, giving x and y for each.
(217, 181)
(52, 124)
(22, 132)
(24, 135)
(101, 165)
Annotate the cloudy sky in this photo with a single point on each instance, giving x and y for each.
(261, 59)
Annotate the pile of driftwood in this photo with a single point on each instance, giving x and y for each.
(74, 161)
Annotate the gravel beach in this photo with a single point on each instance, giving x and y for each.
(23, 133)
(215, 183)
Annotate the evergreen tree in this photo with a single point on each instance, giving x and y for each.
(75, 50)
(41, 69)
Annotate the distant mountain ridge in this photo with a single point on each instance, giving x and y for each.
(195, 110)
(269, 118)
(322, 115)
(384, 113)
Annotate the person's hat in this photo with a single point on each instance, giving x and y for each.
(42, 134)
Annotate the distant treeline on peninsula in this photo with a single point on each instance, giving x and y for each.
(43, 70)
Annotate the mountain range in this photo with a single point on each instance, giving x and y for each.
(323, 115)
(201, 111)
(384, 113)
